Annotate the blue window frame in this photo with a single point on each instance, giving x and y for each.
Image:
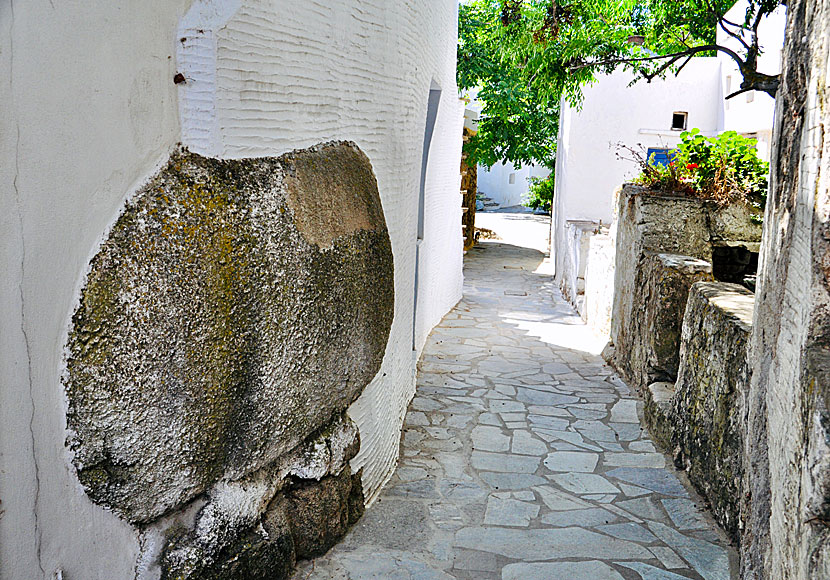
(661, 156)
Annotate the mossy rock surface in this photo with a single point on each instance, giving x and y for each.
(234, 309)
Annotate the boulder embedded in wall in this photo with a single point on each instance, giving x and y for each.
(648, 345)
(236, 308)
(708, 405)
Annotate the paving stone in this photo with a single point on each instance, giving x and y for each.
(546, 544)
(511, 480)
(446, 516)
(634, 459)
(461, 490)
(685, 514)
(600, 497)
(489, 419)
(595, 430)
(504, 462)
(424, 488)
(646, 446)
(525, 444)
(629, 531)
(708, 560)
(648, 572)
(475, 561)
(416, 418)
(410, 473)
(590, 570)
(647, 508)
(524, 495)
(571, 461)
(509, 512)
(659, 480)
(667, 557)
(489, 439)
(625, 411)
(584, 483)
(505, 377)
(558, 500)
(585, 518)
(627, 431)
(534, 397)
(394, 566)
(547, 422)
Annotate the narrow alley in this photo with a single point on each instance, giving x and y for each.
(523, 456)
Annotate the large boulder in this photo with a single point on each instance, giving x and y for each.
(235, 309)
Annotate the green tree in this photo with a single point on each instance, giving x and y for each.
(523, 56)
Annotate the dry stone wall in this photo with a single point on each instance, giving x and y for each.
(708, 410)
(650, 291)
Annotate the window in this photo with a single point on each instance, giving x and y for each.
(657, 156)
(750, 96)
(512, 179)
(678, 120)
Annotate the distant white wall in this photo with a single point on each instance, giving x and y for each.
(496, 184)
(587, 168)
(89, 112)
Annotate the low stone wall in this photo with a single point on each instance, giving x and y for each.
(708, 404)
(649, 295)
(648, 345)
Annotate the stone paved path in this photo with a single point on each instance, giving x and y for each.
(523, 457)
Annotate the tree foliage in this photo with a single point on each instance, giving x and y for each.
(523, 56)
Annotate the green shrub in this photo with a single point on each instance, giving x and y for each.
(541, 193)
(725, 169)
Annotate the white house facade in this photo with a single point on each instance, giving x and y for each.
(130, 84)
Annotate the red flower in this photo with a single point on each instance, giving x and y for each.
(692, 166)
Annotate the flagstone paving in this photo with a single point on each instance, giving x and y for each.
(523, 456)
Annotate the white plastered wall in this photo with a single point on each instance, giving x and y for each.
(90, 110)
(587, 168)
(495, 182)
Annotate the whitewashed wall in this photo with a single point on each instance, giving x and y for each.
(587, 169)
(89, 112)
(495, 182)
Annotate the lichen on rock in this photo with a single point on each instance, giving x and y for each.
(224, 321)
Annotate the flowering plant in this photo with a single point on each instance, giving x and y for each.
(725, 169)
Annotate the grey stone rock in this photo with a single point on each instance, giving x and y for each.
(194, 354)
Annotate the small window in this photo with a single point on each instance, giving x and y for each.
(750, 96)
(512, 179)
(678, 121)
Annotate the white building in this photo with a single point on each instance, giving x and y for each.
(650, 116)
(507, 185)
(91, 109)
